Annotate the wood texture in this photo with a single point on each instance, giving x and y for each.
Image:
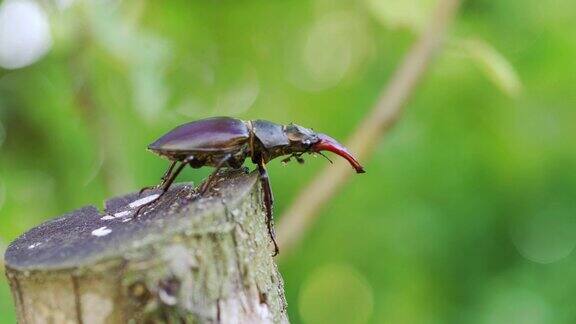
(189, 259)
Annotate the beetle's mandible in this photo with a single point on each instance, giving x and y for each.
(226, 142)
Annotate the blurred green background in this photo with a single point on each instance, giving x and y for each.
(467, 213)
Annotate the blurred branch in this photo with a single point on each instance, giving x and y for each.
(304, 210)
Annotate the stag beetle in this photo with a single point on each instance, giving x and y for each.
(226, 142)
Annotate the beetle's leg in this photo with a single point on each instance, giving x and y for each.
(296, 156)
(165, 186)
(146, 188)
(202, 190)
(299, 159)
(164, 177)
(268, 203)
(168, 181)
(168, 172)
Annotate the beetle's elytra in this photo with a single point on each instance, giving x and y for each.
(227, 142)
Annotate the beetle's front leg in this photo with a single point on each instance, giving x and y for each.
(268, 203)
(298, 157)
(164, 178)
(166, 183)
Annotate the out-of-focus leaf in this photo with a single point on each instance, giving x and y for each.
(494, 65)
(143, 54)
(411, 14)
(334, 48)
(227, 88)
(238, 97)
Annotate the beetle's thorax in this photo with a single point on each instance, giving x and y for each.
(267, 140)
(270, 140)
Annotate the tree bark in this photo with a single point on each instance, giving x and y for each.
(186, 259)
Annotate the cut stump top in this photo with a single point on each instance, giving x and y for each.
(87, 236)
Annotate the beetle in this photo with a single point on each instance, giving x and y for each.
(226, 142)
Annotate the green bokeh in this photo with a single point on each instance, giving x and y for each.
(467, 212)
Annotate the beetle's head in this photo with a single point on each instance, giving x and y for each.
(306, 140)
(301, 138)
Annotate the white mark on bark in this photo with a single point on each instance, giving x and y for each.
(116, 215)
(102, 231)
(122, 214)
(142, 201)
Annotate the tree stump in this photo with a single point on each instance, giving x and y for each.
(186, 259)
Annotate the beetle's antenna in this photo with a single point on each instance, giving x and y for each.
(327, 158)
